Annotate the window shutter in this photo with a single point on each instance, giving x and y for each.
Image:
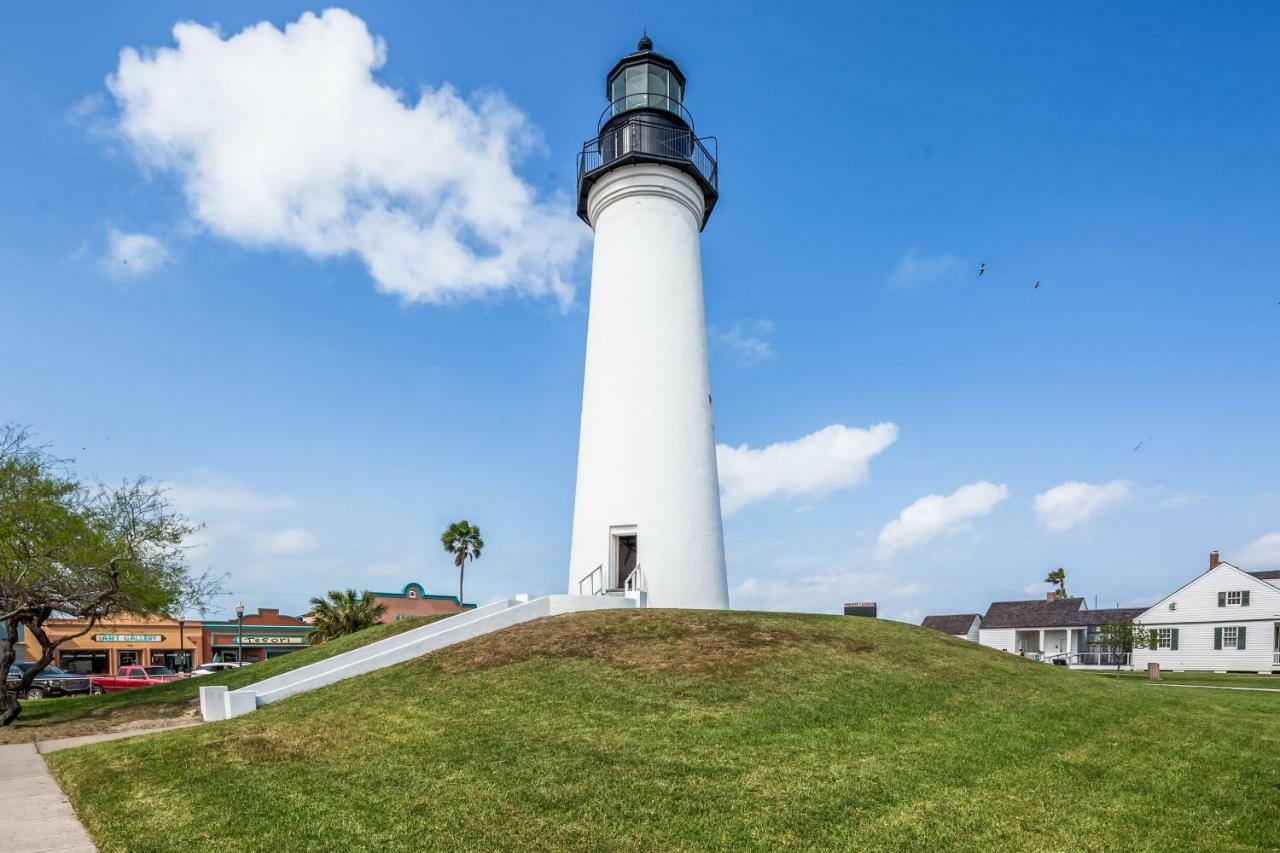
(1222, 599)
(1173, 640)
(1244, 598)
(1240, 637)
(1217, 637)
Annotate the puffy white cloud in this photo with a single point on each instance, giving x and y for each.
(285, 139)
(750, 343)
(914, 269)
(1068, 504)
(937, 515)
(131, 255)
(1263, 552)
(288, 542)
(834, 457)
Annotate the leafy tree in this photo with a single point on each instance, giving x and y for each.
(462, 540)
(340, 613)
(1059, 577)
(82, 553)
(1123, 637)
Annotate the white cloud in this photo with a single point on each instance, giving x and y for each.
(213, 493)
(750, 343)
(130, 255)
(288, 542)
(834, 457)
(1036, 588)
(937, 515)
(1068, 504)
(285, 139)
(818, 593)
(1263, 552)
(914, 270)
(1177, 501)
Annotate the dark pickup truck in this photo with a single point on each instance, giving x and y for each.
(50, 681)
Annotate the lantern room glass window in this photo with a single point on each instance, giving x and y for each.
(645, 85)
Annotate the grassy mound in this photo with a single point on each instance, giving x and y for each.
(657, 729)
(76, 715)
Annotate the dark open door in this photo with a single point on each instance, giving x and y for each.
(625, 559)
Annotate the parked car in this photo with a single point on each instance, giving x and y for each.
(51, 681)
(211, 668)
(132, 677)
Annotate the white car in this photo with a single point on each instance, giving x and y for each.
(211, 668)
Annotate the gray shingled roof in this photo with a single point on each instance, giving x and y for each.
(957, 623)
(1266, 576)
(1063, 613)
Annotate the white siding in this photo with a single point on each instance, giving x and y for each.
(972, 636)
(1197, 614)
(997, 638)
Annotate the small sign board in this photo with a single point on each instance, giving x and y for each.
(262, 640)
(860, 608)
(129, 638)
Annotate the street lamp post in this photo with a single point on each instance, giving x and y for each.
(181, 653)
(240, 634)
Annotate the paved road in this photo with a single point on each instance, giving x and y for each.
(34, 815)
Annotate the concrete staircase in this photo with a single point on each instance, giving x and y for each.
(219, 703)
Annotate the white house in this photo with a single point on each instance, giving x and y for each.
(1061, 630)
(962, 625)
(1225, 620)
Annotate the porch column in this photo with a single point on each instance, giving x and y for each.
(1041, 641)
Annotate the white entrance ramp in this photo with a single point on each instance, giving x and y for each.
(218, 703)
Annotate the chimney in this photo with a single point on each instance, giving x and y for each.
(1213, 559)
(1050, 596)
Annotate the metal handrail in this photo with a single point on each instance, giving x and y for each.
(672, 106)
(634, 581)
(596, 576)
(653, 139)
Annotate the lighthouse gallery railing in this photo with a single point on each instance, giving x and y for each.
(651, 139)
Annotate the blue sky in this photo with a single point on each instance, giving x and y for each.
(326, 391)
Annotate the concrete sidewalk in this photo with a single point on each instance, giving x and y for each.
(34, 815)
(1220, 687)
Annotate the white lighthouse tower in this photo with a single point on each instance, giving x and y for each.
(646, 516)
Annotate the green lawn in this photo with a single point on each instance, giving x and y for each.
(48, 718)
(651, 729)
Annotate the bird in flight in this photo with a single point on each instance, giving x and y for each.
(1037, 287)
(982, 267)
(1140, 443)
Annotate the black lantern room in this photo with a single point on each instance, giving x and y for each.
(646, 122)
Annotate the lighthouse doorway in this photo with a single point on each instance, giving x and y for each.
(625, 556)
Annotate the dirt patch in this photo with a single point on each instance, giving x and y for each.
(685, 642)
(99, 721)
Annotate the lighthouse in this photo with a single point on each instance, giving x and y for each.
(646, 515)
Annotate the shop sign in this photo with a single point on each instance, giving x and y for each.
(129, 638)
(262, 640)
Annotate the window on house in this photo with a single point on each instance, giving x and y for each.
(1230, 637)
(1164, 638)
(1233, 598)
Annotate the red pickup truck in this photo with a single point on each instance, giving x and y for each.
(130, 677)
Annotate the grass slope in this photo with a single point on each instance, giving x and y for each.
(49, 718)
(622, 730)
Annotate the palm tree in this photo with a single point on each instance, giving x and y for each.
(341, 613)
(462, 540)
(1058, 576)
